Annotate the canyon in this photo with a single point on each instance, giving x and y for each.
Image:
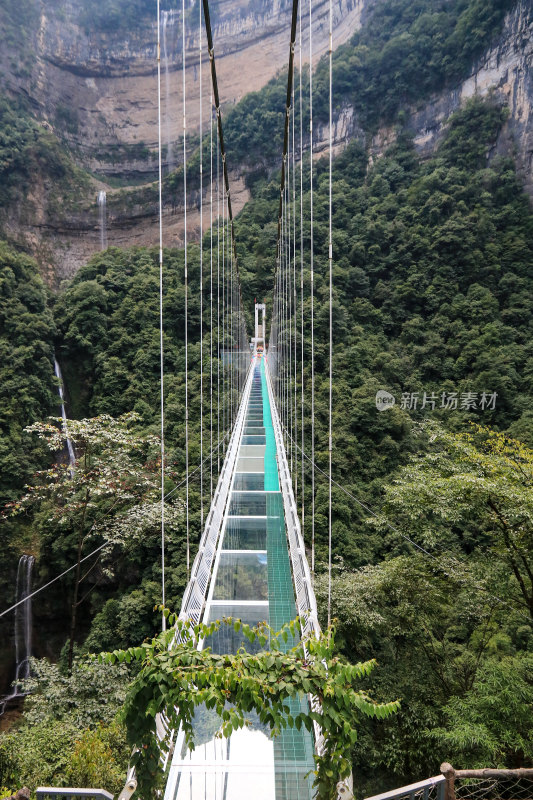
(97, 92)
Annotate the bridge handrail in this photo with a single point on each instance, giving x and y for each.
(414, 789)
(53, 791)
(201, 568)
(196, 591)
(305, 596)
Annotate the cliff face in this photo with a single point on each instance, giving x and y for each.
(504, 73)
(98, 91)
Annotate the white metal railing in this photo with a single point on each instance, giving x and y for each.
(430, 789)
(305, 595)
(196, 590)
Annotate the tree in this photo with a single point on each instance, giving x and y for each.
(69, 734)
(176, 677)
(470, 491)
(431, 626)
(109, 497)
(492, 723)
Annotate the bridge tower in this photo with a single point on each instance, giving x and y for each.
(259, 338)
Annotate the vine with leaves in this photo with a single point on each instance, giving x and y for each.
(177, 675)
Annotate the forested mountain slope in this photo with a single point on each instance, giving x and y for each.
(433, 288)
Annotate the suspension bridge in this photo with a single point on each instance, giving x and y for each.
(251, 562)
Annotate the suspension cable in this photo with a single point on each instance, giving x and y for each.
(211, 178)
(201, 276)
(330, 260)
(161, 351)
(294, 297)
(211, 51)
(301, 266)
(288, 100)
(185, 282)
(223, 310)
(218, 298)
(311, 286)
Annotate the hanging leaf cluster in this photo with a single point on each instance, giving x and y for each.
(176, 677)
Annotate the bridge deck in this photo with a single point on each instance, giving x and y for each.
(251, 580)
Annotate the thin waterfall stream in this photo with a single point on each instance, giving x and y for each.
(23, 628)
(102, 218)
(70, 447)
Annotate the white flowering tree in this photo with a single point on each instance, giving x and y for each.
(111, 497)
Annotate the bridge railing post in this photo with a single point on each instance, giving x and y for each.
(449, 774)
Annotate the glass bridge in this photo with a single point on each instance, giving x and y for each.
(251, 579)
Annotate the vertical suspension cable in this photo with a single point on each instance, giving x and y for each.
(294, 298)
(302, 273)
(312, 288)
(330, 260)
(211, 177)
(289, 309)
(201, 278)
(185, 279)
(223, 314)
(289, 303)
(218, 305)
(230, 300)
(286, 308)
(161, 351)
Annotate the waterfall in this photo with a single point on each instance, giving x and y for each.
(23, 628)
(70, 448)
(102, 200)
(165, 16)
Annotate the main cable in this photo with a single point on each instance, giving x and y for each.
(211, 51)
(330, 262)
(185, 281)
(161, 352)
(201, 276)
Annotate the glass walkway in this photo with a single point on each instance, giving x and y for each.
(251, 580)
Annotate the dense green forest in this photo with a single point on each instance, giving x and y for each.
(433, 295)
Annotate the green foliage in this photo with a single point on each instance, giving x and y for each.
(403, 52)
(109, 323)
(36, 755)
(27, 383)
(110, 496)
(27, 150)
(447, 646)
(68, 734)
(406, 50)
(471, 491)
(432, 293)
(175, 674)
(492, 723)
(99, 759)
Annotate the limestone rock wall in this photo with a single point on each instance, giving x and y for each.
(505, 73)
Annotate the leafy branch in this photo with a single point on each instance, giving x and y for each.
(179, 672)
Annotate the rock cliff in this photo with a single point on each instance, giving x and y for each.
(504, 73)
(98, 92)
